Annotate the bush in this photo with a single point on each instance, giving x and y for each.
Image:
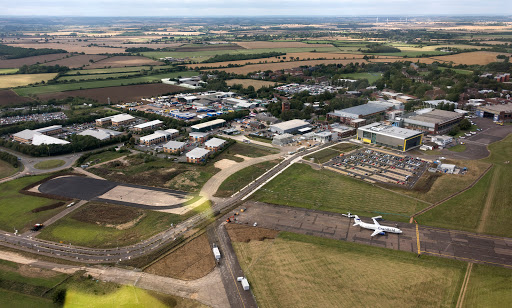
(9, 158)
(59, 296)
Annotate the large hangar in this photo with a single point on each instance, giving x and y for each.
(398, 138)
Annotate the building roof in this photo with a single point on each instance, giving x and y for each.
(292, 124)
(48, 129)
(208, 124)
(173, 145)
(361, 110)
(122, 117)
(198, 134)
(391, 131)
(214, 142)
(435, 116)
(148, 124)
(498, 108)
(26, 134)
(96, 133)
(197, 153)
(283, 136)
(39, 139)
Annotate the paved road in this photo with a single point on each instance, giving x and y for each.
(112, 255)
(465, 246)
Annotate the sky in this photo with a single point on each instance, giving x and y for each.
(198, 8)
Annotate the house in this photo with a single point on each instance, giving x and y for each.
(198, 137)
(174, 147)
(197, 155)
(215, 144)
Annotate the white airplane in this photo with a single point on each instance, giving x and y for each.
(378, 228)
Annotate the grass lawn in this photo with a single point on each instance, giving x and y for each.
(259, 139)
(25, 91)
(458, 148)
(372, 77)
(325, 190)
(250, 150)
(16, 299)
(6, 71)
(489, 286)
(492, 191)
(457, 70)
(11, 81)
(105, 156)
(6, 169)
(304, 271)
(241, 178)
(49, 164)
(327, 154)
(94, 225)
(15, 208)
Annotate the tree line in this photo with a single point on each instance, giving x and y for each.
(38, 69)
(10, 52)
(9, 158)
(235, 57)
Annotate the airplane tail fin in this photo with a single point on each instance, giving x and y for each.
(357, 220)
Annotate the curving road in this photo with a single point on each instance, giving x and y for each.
(113, 255)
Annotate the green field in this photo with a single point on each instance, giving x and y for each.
(104, 156)
(325, 190)
(250, 150)
(199, 56)
(15, 208)
(458, 148)
(78, 230)
(6, 169)
(6, 71)
(372, 77)
(25, 91)
(304, 271)
(489, 286)
(457, 70)
(97, 76)
(113, 70)
(240, 179)
(492, 191)
(259, 139)
(49, 164)
(327, 154)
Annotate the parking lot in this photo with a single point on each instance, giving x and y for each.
(379, 166)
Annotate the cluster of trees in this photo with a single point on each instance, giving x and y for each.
(38, 69)
(10, 52)
(378, 48)
(139, 49)
(9, 158)
(30, 111)
(235, 57)
(463, 125)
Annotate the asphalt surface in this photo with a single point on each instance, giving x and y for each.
(465, 246)
(114, 255)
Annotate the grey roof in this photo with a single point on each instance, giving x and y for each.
(214, 142)
(433, 117)
(197, 153)
(174, 145)
(360, 110)
(290, 124)
(392, 131)
(198, 134)
(26, 134)
(208, 124)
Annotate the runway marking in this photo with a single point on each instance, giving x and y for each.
(418, 239)
(467, 259)
(464, 287)
(231, 271)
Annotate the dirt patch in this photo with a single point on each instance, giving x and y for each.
(123, 61)
(224, 163)
(243, 233)
(16, 63)
(127, 225)
(192, 261)
(103, 213)
(34, 272)
(185, 180)
(117, 94)
(9, 97)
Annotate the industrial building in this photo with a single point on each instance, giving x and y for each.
(206, 126)
(398, 138)
(215, 144)
(115, 120)
(434, 122)
(27, 135)
(100, 133)
(366, 112)
(496, 112)
(197, 155)
(174, 147)
(289, 127)
(148, 125)
(159, 136)
(198, 137)
(282, 140)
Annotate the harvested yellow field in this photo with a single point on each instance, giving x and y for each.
(470, 58)
(11, 81)
(305, 271)
(284, 65)
(264, 44)
(257, 84)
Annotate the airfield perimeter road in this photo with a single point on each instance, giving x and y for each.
(465, 246)
(114, 255)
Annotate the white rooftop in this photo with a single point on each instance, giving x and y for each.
(148, 124)
(391, 131)
(290, 124)
(197, 153)
(39, 139)
(209, 123)
(173, 145)
(214, 142)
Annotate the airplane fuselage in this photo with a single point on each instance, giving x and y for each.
(377, 227)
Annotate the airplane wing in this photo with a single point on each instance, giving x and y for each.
(375, 221)
(376, 232)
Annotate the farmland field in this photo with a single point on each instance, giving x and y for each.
(71, 47)
(16, 209)
(5, 71)
(470, 58)
(108, 225)
(108, 70)
(9, 97)
(488, 286)
(299, 186)
(304, 271)
(16, 63)
(77, 60)
(266, 44)
(257, 84)
(122, 61)
(117, 94)
(97, 76)
(11, 81)
(97, 84)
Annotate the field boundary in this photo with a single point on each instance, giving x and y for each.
(488, 201)
(423, 211)
(464, 287)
